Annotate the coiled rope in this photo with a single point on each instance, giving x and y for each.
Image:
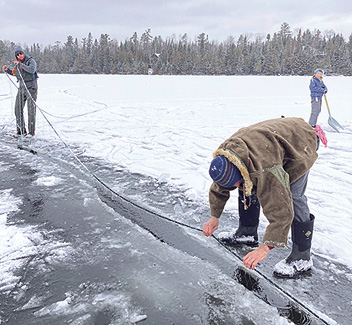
(270, 281)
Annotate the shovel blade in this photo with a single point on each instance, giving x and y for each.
(334, 124)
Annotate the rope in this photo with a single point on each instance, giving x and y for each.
(20, 146)
(56, 116)
(143, 208)
(275, 285)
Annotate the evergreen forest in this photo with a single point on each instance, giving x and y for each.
(283, 53)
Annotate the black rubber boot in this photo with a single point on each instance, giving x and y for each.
(246, 233)
(299, 261)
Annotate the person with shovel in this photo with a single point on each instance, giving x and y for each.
(317, 90)
(269, 163)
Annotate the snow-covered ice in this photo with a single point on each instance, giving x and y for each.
(19, 244)
(48, 181)
(167, 127)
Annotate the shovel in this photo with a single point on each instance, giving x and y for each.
(332, 122)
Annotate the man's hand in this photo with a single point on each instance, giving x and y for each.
(256, 256)
(15, 62)
(210, 226)
(4, 67)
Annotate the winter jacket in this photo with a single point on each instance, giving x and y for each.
(28, 71)
(317, 88)
(270, 155)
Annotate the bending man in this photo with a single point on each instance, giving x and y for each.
(269, 163)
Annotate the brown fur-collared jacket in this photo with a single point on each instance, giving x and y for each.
(270, 155)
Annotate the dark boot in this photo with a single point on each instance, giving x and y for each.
(246, 233)
(299, 261)
(21, 131)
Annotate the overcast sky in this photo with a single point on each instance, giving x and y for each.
(47, 21)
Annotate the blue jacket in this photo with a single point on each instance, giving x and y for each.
(317, 88)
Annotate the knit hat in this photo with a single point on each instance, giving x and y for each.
(18, 49)
(223, 172)
(318, 70)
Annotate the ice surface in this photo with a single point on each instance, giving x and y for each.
(48, 181)
(167, 127)
(20, 243)
(8, 204)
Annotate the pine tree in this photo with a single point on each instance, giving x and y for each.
(349, 51)
(230, 57)
(280, 53)
(285, 33)
(3, 51)
(242, 55)
(69, 56)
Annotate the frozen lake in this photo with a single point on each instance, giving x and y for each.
(151, 139)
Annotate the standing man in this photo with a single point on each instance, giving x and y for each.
(25, 70)
(317, 90)
(269, 163)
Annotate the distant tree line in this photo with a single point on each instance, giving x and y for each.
(279, 54)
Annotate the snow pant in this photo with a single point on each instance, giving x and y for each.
(300, 203)
(21, 99)
(250, 217)
(303, 222)
(316, 109)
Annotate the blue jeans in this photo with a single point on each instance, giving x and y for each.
(250, 217)
(300, 204)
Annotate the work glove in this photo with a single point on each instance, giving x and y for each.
(321, 135)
